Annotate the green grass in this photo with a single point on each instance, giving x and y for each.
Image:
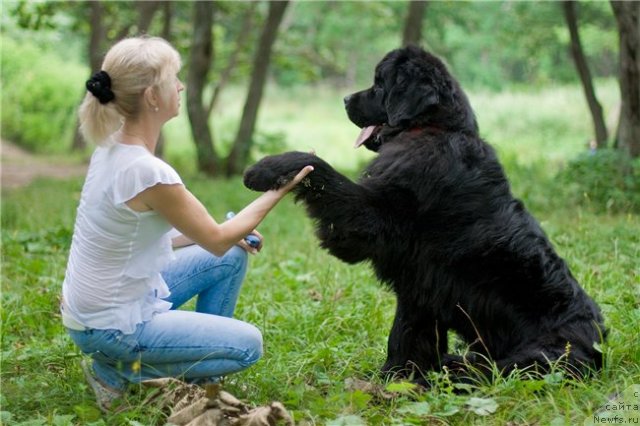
(325, 323)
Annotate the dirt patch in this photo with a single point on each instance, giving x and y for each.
(20, 167)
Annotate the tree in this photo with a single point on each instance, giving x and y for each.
(569, 8)
(146, 12)
(240, 151)
(240, 46)
(412, 33)
(335, 42)
(627, 15)
(200, 58)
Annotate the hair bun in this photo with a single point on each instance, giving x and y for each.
(100, 86)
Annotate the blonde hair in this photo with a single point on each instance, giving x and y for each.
(133, 64)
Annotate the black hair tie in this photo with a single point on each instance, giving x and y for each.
(100, 86)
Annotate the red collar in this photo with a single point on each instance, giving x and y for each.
(419, 129)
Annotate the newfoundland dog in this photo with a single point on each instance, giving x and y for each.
(435, 216)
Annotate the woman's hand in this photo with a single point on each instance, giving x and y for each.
(283, 190)
(250, 249)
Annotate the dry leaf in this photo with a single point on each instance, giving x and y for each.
(190, 405)
(189, 413)
(266, 416)
(315, 295)
(373, 389)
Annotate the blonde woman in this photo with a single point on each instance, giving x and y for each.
(124, 280)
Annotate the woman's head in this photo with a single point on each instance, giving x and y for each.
(141, 73)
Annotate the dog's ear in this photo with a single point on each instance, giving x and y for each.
(406, 101)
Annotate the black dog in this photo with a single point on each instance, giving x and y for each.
(434, 215)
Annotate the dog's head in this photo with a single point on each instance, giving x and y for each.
(412, 88)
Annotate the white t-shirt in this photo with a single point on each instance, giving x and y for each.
(113, 276)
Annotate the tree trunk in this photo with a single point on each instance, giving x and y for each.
(168, 18)
(200, 58)
(569, 8)
(96, 38)
(412, 33)
(241, 42)
(146, 12)
(239, 154)
(627, 15)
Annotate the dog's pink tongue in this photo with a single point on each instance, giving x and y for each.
(364, 135)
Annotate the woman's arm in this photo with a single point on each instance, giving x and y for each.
(189, 216)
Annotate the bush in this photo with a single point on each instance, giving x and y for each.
(607, 180)
(40, 94)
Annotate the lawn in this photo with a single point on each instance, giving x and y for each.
(325, 323)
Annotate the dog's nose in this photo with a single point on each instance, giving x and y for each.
(346, 99)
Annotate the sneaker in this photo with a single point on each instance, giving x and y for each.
(105, 396)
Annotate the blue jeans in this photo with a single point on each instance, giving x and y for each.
(197, 346)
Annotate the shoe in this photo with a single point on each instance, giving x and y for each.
(105, 396)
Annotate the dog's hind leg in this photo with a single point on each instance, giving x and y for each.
(532, 360)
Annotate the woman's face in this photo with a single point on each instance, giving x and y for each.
(170, 97)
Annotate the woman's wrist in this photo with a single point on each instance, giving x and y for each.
(277, 194)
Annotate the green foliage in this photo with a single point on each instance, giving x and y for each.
(40, 94)
(34, 15)
(487, 44)
(337, 42)
(606, 180)
(497, 44)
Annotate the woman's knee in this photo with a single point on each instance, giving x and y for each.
(252, 345)
(237, 257)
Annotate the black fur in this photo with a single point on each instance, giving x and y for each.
(434, 215)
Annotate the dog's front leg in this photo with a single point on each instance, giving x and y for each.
(347, 215)
(274, 171)
(415, 346)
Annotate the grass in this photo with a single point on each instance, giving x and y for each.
(325, 323)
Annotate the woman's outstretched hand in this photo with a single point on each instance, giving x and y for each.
(296, 180)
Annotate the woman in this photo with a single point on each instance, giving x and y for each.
(123, 280)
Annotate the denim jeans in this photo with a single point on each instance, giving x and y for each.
(197, 346)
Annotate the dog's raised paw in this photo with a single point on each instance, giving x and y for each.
(274, 171)
(260, 178)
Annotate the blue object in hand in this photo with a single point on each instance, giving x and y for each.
(251, 240)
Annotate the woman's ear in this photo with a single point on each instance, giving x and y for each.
(151, 98)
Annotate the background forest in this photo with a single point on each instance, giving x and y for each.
(330, 46)
(553, 89)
